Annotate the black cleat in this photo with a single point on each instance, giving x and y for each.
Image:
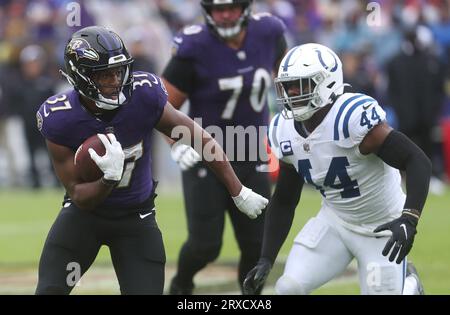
(177, 289)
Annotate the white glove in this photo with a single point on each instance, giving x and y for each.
(250, 202)
(111, 163)
(184, 155)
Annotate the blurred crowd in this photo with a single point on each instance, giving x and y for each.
(396, 51)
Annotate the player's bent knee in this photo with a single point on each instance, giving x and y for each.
(207, 252)
(286, 285)
(210, 254)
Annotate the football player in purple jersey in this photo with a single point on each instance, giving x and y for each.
(117, 210)
(224, 68)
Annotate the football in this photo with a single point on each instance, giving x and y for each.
(85, 166)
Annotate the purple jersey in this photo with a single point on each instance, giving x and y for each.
(63, 120)
(230, 85)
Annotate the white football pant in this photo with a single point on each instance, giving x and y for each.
(323, 250)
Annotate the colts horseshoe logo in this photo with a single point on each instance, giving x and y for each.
(319, 55)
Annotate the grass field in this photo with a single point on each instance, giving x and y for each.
(26, 216)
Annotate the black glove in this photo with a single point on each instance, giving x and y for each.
(403, 232)
(257, 276)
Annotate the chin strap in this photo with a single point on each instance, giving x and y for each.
(68, 78)
(106, 103)
(229, 32)
(334, 96)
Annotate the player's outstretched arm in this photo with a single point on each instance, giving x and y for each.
(87, 195)
(398, 151)
(278, 221)
(245, 199)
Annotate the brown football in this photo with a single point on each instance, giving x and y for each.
(85, 166)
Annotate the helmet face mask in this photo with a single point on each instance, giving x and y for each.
(309, 77)
(299, 95)
(109, 84)
(93, 54)
(226, 32)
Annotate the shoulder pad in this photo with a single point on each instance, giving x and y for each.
(185, 43)
(356, 116)
(54, 115)
(151, 86)
(272, 135)
(270, 22)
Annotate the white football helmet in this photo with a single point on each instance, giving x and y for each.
(314, 72)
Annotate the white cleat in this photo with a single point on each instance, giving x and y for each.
(412, 271)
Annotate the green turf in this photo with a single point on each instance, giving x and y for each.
(26, 217)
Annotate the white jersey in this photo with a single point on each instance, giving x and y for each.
(359, 191)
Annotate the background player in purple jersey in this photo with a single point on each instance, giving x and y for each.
(117, 210)
(224, 67)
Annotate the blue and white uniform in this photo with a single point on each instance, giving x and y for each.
(359, 192)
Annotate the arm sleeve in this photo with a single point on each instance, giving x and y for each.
(400, 152)
(181, 73)
(280, 211)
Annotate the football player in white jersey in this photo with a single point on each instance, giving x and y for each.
(341, 144)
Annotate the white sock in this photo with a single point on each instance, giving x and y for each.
(410, 287)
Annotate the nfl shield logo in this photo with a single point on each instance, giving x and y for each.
(306, 147)
(241, 55)
(109, 129)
